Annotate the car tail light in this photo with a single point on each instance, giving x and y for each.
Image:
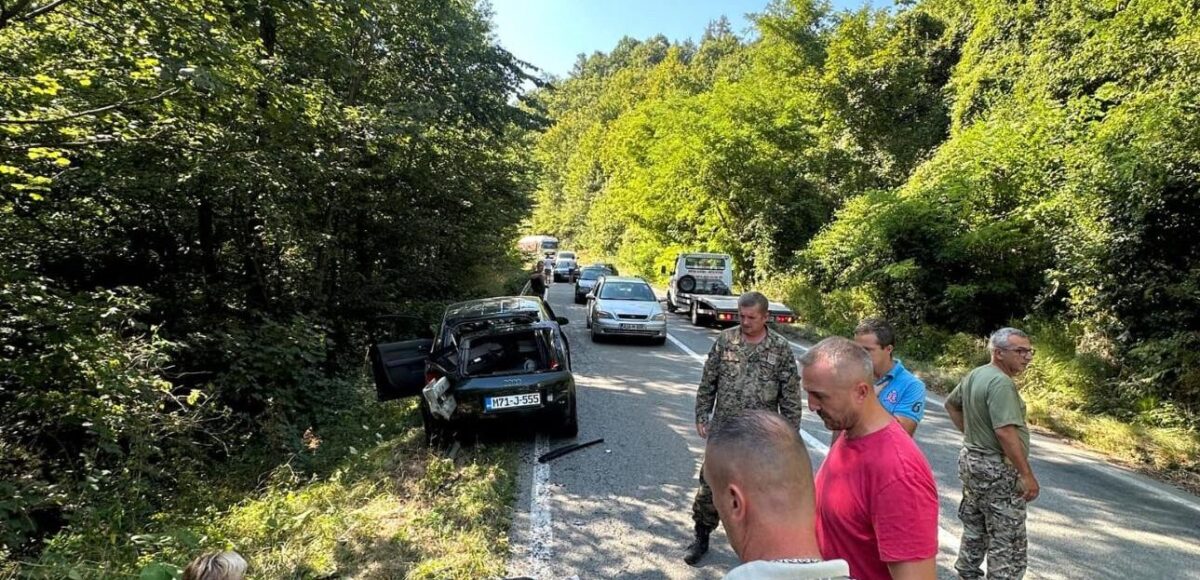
(430, 376)
(726, 317)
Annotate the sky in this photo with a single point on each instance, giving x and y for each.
(550, 33)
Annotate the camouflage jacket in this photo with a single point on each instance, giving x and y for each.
(739, 376)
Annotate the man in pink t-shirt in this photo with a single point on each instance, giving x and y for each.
(877, 504)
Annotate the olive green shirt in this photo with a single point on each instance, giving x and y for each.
(740, 376)
(989, 400)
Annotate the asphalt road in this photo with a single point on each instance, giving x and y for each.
(622, 509)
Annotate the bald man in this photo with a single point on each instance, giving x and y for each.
(877, 504)
(762, 485)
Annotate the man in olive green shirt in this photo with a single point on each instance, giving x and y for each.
(994, 462)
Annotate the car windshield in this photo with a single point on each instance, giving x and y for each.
(565, 264)
(704, 263)
(567, 255)
(627, 291)
(547, 245)
(592, 273)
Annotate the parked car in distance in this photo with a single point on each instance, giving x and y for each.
(586, 281)
(564, 270)
(608, 266)
(625, 307)
(491, 359)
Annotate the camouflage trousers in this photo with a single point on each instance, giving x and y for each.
(993, 518)
(704, 511)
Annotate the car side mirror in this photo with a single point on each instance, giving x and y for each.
(591, 296)
(562, 320)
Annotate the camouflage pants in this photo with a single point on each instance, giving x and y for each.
(993, 517)
(704, 511)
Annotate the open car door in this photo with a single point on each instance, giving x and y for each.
(399, 349)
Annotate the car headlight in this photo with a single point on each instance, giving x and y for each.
(658, 317)
(603, 314)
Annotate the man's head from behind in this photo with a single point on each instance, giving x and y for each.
(761, 478)
(838, 377)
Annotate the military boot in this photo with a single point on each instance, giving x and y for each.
(698, 547)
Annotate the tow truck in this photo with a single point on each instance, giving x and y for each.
(701, 285)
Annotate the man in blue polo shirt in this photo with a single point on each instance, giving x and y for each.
(901, 392)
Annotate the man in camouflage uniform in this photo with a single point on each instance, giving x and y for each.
(994, 462)
(749, 367)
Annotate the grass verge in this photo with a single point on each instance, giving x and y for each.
(363, 499)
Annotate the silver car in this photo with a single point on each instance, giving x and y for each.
(625, 307)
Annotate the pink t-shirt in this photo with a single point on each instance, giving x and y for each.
(876, 503)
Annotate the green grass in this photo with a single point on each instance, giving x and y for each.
(364, 499)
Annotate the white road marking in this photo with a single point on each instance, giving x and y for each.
(945, 538)
(540, 529)
(684, 348)
(800, 347)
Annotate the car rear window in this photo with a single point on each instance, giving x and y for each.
(518, 352)
(705, 263)
(592, 273)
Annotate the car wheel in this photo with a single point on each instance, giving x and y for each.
(695, 315)
(671, 307)
(569, 428)
(660, 341)
(595, 337)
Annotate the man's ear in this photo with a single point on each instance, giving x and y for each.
(888, 349)
(737, 502)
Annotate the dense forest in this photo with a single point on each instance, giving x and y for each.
(202, 204)
(205, 203)
(951, 165)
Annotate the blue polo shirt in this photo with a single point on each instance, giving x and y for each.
(902, 393)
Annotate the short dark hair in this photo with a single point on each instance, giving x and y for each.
(885, 335)
(755, 299)
(758, 443)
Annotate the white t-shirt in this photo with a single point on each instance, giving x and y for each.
(797, 569)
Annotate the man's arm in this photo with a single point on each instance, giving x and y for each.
(908, 424)
(788, 379)
(1010, 442)
(706, 393)
(954, 408)
(916, 570)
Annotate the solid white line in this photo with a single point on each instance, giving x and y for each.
(684, 348)
(803, 349)
(540, 529)
(813, 442)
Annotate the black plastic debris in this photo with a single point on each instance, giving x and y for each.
(556, 453)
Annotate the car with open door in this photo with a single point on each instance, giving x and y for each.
(491, 360)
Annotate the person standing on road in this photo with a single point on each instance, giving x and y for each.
(877, 504)
(749, 367)
(762, 483)
(900, 392)
(537, 282)
(994, 462)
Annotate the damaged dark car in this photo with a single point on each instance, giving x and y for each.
(491, 360)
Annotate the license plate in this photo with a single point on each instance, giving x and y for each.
(631, 327)
(511, 401)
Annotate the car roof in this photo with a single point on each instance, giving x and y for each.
(625, 279)
(704, 255)
(489, 307)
